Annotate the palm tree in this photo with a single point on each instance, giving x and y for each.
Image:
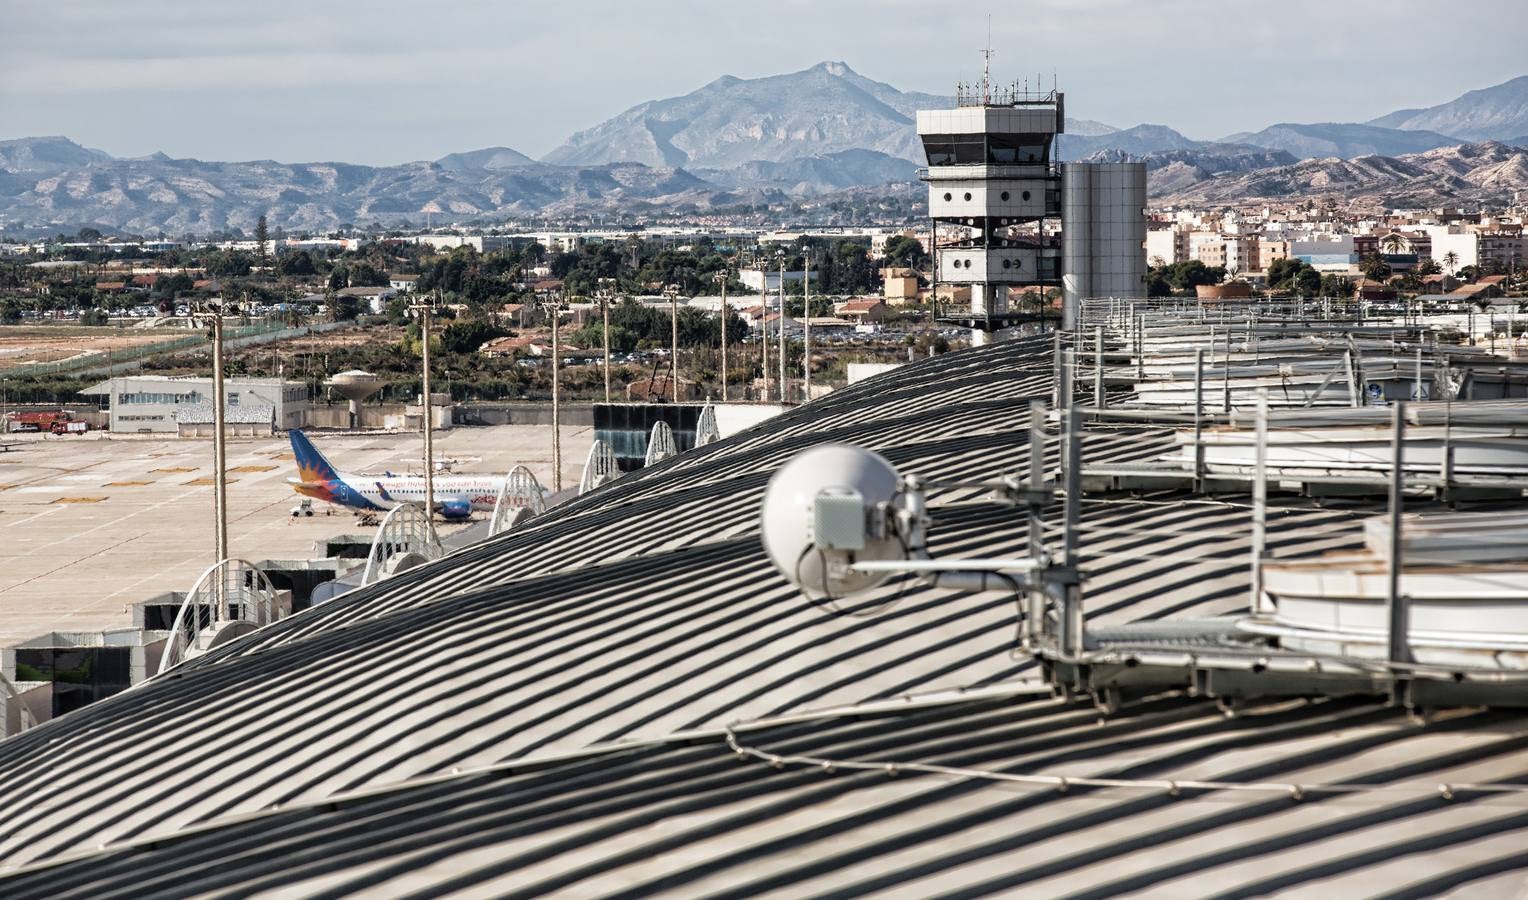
(1393, 243)
(1451, 261)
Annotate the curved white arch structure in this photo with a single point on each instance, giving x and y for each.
(231, 598)
(600, 468)
(660, 445)
(405, 532)
(10, 695)
(521, 491)
(706, 431)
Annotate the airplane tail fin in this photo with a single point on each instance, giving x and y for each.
(311, 464)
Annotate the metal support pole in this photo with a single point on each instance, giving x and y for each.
(781, 354)
(1397, 604)
(806, 325)
(605, 311)
(1140, 348)
(764, 334)
(219, 444)
(1260, 502)
(429, 424)
(1419, 396)
(1199, 420)
(1098, 366)
(1225, 375)
(673, 345)
(1352, 380)
(1446, 465)
(1058, 368)
(556, 402)
(1073, 637)
(724, 312)
(1034, 619)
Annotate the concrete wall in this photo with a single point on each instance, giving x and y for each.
(372, 415)
(577, 414)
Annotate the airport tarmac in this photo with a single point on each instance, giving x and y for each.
(92, 524)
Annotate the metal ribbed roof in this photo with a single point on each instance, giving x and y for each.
(647, 609)
(690, 818)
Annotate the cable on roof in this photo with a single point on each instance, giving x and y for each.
(1172, 787)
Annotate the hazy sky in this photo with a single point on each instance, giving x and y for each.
(384, 81)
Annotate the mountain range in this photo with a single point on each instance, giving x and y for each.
(1442, 176)
(803, 136)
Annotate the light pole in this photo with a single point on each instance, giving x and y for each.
(673, 294)
(554, 309)
(603, 293)
(806, 326)
(425, 310)
(780, 255)
(764, 324)
(214, 314)
(721, 277)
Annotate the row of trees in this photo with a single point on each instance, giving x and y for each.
(637, 327)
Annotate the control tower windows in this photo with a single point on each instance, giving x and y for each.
(955, 149)
(1018, 149)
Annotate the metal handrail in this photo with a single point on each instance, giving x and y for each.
(13, 695)
(520, 491)
(599, 468)
(405, 529)
(233, 582)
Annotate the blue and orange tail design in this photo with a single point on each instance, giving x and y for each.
(311, 464)
(317, 478)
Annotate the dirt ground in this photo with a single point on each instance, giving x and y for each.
(25, 344)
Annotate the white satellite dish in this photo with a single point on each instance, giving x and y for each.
(827, 509)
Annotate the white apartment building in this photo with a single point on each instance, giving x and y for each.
(1169, 245)
(1474, 246)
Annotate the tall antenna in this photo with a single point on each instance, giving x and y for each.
(987, 66)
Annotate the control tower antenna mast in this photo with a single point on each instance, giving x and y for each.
(987, 66)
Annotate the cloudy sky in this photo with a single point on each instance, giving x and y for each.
(384, 81)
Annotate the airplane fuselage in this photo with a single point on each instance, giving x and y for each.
(387, 491)
(455, 496)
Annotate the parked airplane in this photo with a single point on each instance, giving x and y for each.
(456, 496)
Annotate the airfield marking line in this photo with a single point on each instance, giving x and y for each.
(52, 508)
(73, 562)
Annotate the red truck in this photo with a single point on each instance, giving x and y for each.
(58, 422)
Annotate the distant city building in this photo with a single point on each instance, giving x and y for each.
(767, 279)
(1337, 257)
(861, 309)
(1166, 246)
(899, 286)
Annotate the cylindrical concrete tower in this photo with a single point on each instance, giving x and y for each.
(1103, 224)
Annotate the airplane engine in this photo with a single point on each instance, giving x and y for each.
(455, 508)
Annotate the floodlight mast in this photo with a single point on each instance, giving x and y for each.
(672, 290)
(721, 278)
(806, 326)
(424, 310)
(214, 314)
(604, 294)
(780, 254)
(554, 309)
(763, 265)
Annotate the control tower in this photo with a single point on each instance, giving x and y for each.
(1000, 203)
